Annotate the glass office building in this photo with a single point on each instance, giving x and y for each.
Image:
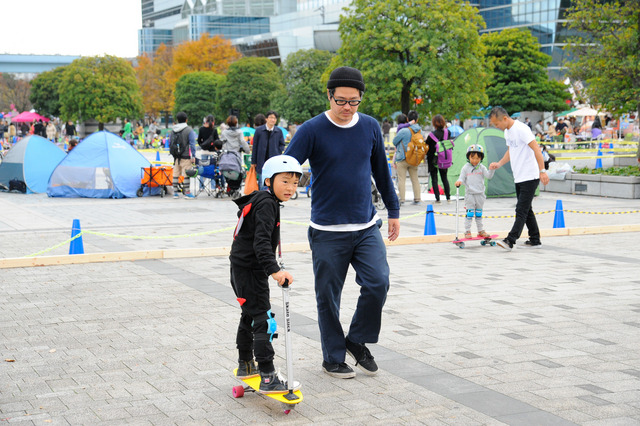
(544, 18)
(276, 28)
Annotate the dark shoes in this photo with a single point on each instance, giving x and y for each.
(247, 369)
(533, 243)
(362, 356)
(339, 370)
(505, 244)
(272, 383)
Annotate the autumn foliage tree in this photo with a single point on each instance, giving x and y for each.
(151, 73)
(207, 54)
(15, 92)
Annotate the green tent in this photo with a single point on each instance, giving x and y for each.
(492, 140)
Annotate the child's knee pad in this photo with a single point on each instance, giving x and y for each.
(478, 212)
(272, 326)
(470, 212)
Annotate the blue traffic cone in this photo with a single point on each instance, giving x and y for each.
(76, 247)
(158, 157)
(430, 222)
(558, 219)
(599, 160)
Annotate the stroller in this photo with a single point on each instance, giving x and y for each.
(230, 165)
(209, 178)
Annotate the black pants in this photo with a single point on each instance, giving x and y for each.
(525, 191)
(433, 171)
(252, 338)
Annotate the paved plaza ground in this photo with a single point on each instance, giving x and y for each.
(473, 336)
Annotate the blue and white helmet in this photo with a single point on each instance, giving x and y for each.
(280, 164)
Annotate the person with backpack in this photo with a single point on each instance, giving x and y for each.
(182, 148)
(439, 158)
(401, 141)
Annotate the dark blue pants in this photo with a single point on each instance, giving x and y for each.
(525, 191)
(332, 253)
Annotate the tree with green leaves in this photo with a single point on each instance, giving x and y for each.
(305, 96)
(100, 87)
(416, 54)
(520, 81)
(196, 94)
(45, 94)
(607, 55)
(250, 85)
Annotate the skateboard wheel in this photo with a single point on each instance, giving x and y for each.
(483, 242)
(493, 243)
(238, 391)
(461, 245)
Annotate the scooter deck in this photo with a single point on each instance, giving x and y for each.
(483, 240)
(254, 385)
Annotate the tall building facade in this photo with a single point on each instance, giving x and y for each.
(175, 21)
(545, 19)
(276, 28)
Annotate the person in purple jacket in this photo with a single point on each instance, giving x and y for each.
(345, 148)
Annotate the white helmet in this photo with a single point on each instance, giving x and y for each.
(280, 164)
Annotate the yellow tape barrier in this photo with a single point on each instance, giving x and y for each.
(216, 231)
(132, 237)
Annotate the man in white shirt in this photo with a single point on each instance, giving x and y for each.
(528, 170)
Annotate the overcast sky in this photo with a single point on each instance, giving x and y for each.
(70, 27)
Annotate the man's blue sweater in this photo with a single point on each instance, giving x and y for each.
(342, 161)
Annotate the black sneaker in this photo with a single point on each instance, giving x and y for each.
(271, 383)
(362, 356)
(247, 369)
(340, 370)
(505, 244)
(533, 243)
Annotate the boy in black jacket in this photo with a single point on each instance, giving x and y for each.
(252, 261)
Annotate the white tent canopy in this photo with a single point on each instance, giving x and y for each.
(585, 112)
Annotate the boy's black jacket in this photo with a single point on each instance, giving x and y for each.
(255, 244)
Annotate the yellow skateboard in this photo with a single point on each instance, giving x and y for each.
(288, 398)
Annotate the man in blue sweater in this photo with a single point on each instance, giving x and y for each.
(345, 149)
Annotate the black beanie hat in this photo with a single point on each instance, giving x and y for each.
(346, 77)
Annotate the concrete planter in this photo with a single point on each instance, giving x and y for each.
(596, 185)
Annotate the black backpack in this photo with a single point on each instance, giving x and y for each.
(17, 185)
(179, 143)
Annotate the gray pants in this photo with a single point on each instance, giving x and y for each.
(475, 202)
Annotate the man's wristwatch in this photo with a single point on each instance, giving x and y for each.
(543, 171)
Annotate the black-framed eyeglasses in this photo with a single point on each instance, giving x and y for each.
(343, 102)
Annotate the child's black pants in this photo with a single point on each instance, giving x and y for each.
(252, 338)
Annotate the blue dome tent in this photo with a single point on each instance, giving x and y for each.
(102, 166)
(31, 160)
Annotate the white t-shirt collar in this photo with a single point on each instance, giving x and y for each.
(353, 122)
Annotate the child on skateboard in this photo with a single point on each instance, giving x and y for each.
(252, 261)
(472, 176)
